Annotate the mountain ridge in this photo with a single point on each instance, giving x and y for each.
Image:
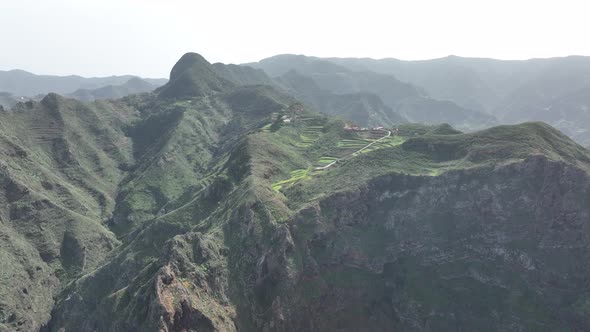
(134, 85)
(511, 90)
(26, 84)
(206, 205)
(405, 99)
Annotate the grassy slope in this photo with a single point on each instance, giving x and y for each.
(232, 194)
(61, 164)
(334, 265)
(415, 150)
(192, 177)
(202, 211)
(432, 154)
(280, 162)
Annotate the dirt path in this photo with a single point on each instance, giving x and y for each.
(360, 150)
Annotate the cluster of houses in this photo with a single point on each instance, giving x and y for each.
(293, 112)
(283, 118)
(286, 119)
(353, 127)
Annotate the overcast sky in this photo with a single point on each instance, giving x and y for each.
(146, 37)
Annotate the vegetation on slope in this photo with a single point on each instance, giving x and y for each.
(431, 154)
(61, 164)
(206, 206)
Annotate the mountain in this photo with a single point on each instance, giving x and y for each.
(193, 76)
(61, 163)
(471, 82)
(214, 205)
(242, 75)
(364, 109)
(569, 112)
(133, 86)
(22, 83)
(512, 91)
(405, 99)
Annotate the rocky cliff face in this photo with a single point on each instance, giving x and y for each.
(502, 249)
(207, 212)
(498, 249)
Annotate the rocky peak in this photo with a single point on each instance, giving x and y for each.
(193, 76)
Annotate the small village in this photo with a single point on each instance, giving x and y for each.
(356, 140)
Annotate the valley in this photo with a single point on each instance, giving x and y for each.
(321, 166)
(219, 202)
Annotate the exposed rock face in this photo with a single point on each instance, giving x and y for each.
(195, 271)
(503, 249)
(162, 213)
(493, 247)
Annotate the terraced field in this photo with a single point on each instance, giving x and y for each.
(373, 134)
(297, 174)
(327, 160)
(266, 128)
(353, 143)
(345, 148)
(310, 135)
(384, 143)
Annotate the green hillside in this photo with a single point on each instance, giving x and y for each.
(220, 205)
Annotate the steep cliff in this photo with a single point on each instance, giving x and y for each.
(220, 206)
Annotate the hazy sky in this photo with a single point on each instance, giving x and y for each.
(146, 37)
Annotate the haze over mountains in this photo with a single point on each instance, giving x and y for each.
(240, 198)
(295, 176)
(134, 85)
(19, 83)
(403, 99)
(552, 90)
(468, 93)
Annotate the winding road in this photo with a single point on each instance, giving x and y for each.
(360, 150)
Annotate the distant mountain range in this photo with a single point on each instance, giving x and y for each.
(404, 100)
(467, 93)
(365, 109)
(554, 90)
(133, 86)
(21, 83)
(222, 201)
